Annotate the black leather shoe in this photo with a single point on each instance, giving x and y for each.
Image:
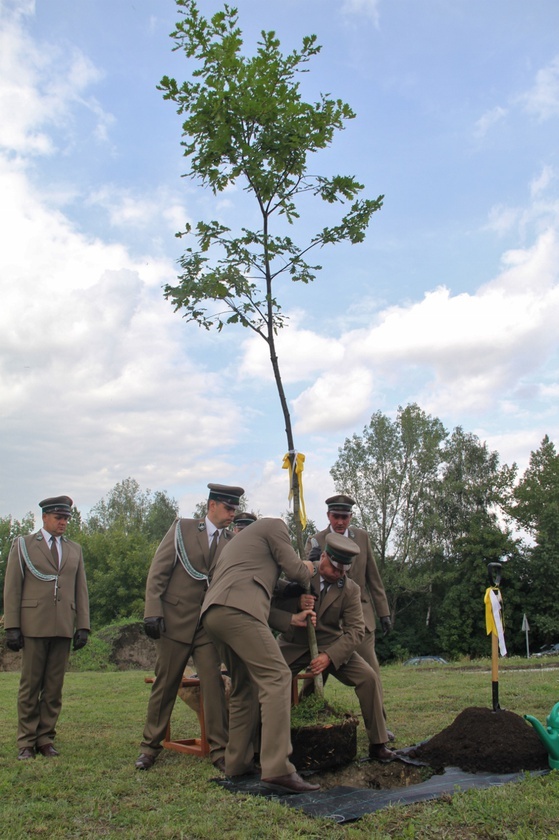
(144, 761)
(48, 751)
(292, 782)
(379, 752)
(219, 764)
(25, 753)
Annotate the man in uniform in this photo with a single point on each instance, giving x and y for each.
(177, 581)
(46, 605)
(363, 571)
(235, 614)
(242, 520)
(340, 629)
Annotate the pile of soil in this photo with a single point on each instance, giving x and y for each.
(481, 740)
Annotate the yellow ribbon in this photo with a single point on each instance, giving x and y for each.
(299, 467)
(492, 624)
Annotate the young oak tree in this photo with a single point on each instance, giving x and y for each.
(245, 121)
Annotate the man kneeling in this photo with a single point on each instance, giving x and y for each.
(339, 630)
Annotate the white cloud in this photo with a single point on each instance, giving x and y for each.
(503, 219)
(542, 101)
(541, 183)
(301, 354)
(126, 208)
(93, 371)
(40, 84)
(456, 352)
(367, 8)
(488, 120)
(335, 401)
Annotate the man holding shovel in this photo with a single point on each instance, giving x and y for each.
(340, 629)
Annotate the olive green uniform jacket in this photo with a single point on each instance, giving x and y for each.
(33, 605)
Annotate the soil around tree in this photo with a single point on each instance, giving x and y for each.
(318, 748)
(479, 740)
(372, 775)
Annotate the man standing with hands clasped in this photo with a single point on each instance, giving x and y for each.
(45, 600)
(177, 581)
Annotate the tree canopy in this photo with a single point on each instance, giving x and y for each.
(245, 121)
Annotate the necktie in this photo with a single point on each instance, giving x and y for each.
(213, 545)
(323, 590)
(54, 551)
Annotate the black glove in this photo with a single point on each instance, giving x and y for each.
(14, 639)
(386, 624)
(80, 639)
(154, 626)
(291, 590)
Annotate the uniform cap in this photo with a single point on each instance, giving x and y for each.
(341, 549)
(228, 495)
(57, 504)
(341, 503)
(244, 518)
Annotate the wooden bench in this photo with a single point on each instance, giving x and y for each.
(193, 746)
(199, 746)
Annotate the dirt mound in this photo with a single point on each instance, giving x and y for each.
(483, 740)
(130, 647)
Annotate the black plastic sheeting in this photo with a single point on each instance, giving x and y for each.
(346, 804)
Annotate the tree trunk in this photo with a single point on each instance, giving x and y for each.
(295, 489)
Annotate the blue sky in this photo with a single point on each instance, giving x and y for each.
(452, 301)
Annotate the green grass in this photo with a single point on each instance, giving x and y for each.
(93, 790)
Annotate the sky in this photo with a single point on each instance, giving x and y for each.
(451, 302)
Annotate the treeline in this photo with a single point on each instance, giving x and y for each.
(439, 507)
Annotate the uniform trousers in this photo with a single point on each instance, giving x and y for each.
(366, 650)
(172, 658)
(43, 666)
(359, 674)
(259, 675)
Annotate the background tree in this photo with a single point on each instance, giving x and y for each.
(535, 507)
(131, 510)
(390, 471)
(10, 529)
(245, 120)
(310, 528)
(119, 539)
(431, 505)
(117, 563)
(465, 533)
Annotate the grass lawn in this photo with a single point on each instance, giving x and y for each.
(93, 790)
